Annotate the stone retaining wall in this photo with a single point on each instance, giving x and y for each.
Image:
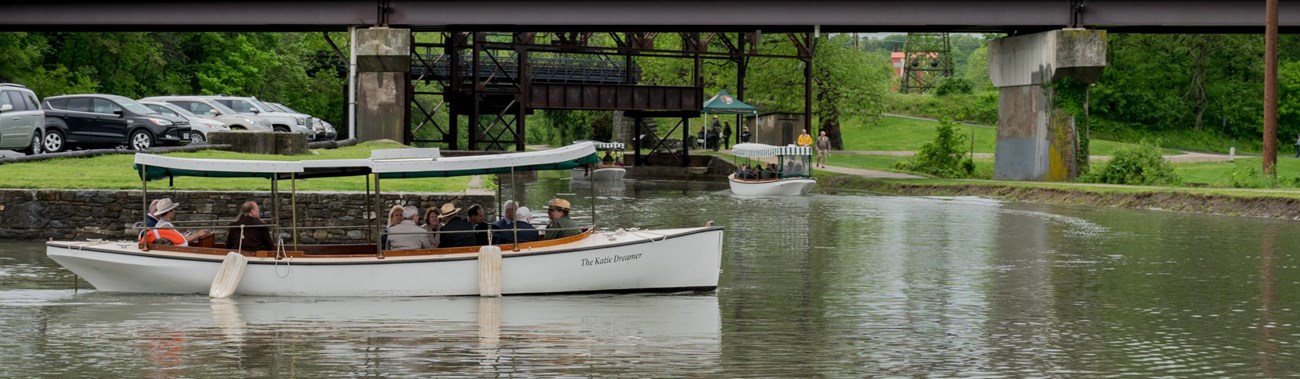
(82, 214)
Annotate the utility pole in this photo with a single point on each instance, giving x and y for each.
(1270, 89)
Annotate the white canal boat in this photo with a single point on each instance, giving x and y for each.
(772, 170)
(592, 261)
(608, 169)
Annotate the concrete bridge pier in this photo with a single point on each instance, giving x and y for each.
(383, 57)
(1036, 140)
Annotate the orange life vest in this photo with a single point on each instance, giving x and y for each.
(172, 237)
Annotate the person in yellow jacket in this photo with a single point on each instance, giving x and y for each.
(805, 139)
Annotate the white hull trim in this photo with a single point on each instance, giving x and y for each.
(647, 260)
(776, 187)
(610, 174)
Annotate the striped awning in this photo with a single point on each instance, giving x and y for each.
(604, 145)
(758, 150)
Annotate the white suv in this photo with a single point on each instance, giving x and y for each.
(281, 121)
(208, 108)
(21, 119)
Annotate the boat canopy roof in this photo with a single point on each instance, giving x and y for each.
(604, 145)
(563, 158)
(419, 163)
(759, 150)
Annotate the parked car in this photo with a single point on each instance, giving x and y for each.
(324, 131)
(21, 119)
(200, 126)
(96, 120)
(280, 121)
(211, 109)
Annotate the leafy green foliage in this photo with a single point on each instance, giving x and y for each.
(1138, 165)
(270, 66)
(1251, 177)
(944, 157)
(979, 108)
(977, 69)
(953, 86)
(1175, 82)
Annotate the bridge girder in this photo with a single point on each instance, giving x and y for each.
(1009, 16)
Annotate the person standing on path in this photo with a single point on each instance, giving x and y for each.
(726, 135)
(1297, 146)
(823, 149)
(805, 139)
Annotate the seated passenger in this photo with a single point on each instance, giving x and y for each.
(522, 226)
(456, 231)
(394, 218)
(165, 233)
(407, 235)
(561, 225)
(432, 223)
(475, 216)
(149, 219)
(248, 232)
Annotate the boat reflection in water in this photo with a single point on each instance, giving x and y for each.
(192, 336)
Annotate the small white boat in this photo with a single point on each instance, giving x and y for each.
(609, 168)
(600, 173)
(790, 175)
(592, 261)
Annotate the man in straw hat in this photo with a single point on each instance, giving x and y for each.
(456, 231)
(561, 225)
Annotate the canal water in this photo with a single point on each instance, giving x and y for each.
(846, 285)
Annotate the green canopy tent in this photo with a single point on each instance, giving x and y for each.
(724, 103)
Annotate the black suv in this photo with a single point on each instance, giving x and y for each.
(109, 121)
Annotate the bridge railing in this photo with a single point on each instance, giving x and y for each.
(545, 70)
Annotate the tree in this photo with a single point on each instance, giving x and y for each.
(846, 82)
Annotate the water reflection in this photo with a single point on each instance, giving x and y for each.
(813, 286)
(175, 336)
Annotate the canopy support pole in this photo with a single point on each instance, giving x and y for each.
(293, 210)
(514, 224)
(275, 207)
(144, 194)
(593, 200)
(379, 245)
(369, 236)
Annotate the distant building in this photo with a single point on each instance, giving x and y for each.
(896, 61)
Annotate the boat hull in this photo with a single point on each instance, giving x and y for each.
(776, 187)
(655, 260)
(599, 174)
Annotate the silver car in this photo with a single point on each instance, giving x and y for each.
(208, 108)
(283, 122)
(198, 125)
(21, 119)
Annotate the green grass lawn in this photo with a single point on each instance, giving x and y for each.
(906, 134)
(1220, 173)
(115, 172)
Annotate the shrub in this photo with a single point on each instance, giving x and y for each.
(1252, 177)
(942, 157)
(1141, 164)
(979, 108)
(953, 86)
